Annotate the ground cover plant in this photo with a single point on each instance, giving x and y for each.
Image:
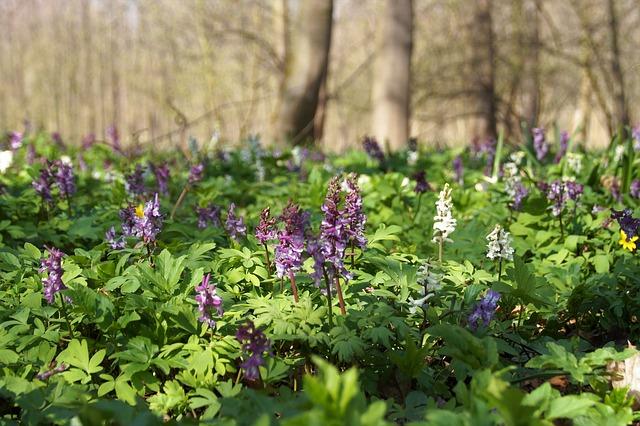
(492, 285)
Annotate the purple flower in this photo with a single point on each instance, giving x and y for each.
(574, 190)
(134, 182)
(42, 184)
(254, 345)
(15, 140)
(31, 154)
(615, 190)
(458, 169)
(354, 217)
(265, 230)
(235, 225)
(115, 242)
(196, 173)
(163, 174)
(372, 148)
(539, 143)
(288, 253)
(57, 139)
(627, 222)
(128, 221)
(52, 283)
(484, 310)
(520, 192)
(208, 215)
(208, 300)
(634, 189)
(422, 185)
(148, 223)
(488, 148)
(557, 195)
(564, 144)
(334, 234)
(636, 137)
(64, 179)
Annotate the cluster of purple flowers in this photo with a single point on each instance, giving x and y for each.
(334, 236)
(266, 229)
(196, 173)
(208, 215)
(163, 174)
(484, 310)
(55, 173)
(422, 185)
(372, 148)
(115, 242)
(134, 181)
(254, 345)
(520, 192)
(634, 189)
(52, 283)
(291, 238)
(144, 222)
(45, 375)
(208, 300)
(488, 149)
(559, 192)
(88, 140)
(353, 213)
(235, 225)
(628, 224)
(540, 145)
(15, 140)
(458, 169)
(636, 136)
(564, 145)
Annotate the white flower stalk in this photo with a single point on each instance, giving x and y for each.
(430, 283)
(574, 162)
(6, 158)
(412, 158)
(517, 157)
(443, 222)
(499, 244)
(619, 152)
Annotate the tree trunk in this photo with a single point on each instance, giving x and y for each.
(305, 71)
(531, 74)
(392, 75)
(620, 106)
(483, 71)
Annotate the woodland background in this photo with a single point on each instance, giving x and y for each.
(443, 71)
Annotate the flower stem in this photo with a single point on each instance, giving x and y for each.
(66, 315)
(329, 302)
(179, 201)
(343, 311)
(440, 249)
(500, 270)
(266, 255)
(353, 255)
(294, 288)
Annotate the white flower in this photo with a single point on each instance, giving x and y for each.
(517, 157)
(619, 152)
(430, 283)
(412, 158)
(6, 158)
(405, 182)
(574, 162)
(66, 159)
(443, 222)
(499, 245)
(510, 169)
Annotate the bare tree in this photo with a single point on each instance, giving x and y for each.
(531, 74)
(483, 70)
(392, 74)
(620, 106)
(306, 67)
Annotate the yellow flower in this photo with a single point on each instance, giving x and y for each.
(626, 243)
(140, 213)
